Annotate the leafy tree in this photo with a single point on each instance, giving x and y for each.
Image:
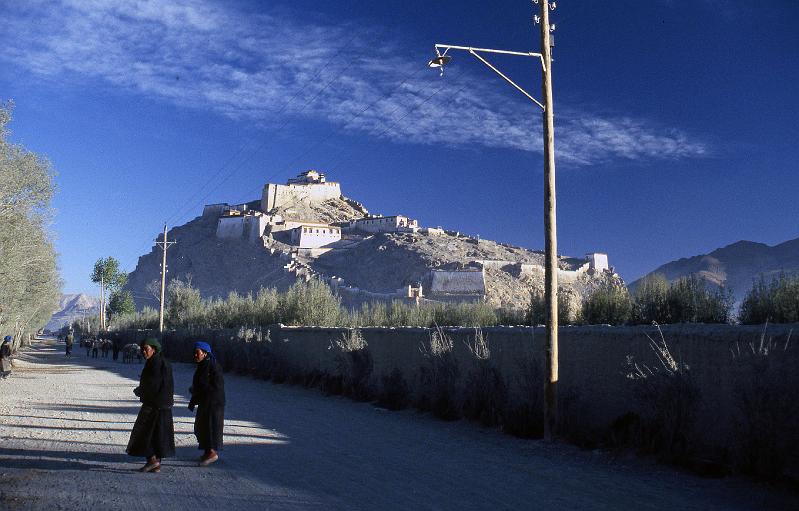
(30, 285)
(121, 302)
(610, 303)
(109, 277)
(777, 302)
(184, 304)
(689, 301)
(650, 300)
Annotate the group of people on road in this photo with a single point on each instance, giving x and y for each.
(153, 435)
(94, 345)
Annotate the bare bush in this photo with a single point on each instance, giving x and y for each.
(354, 365)
(484, 396)
(524, 413)
(767, 412)
(439, 377)
(394, 391)
(667, 398)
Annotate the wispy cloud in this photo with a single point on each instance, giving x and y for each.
(269, 67)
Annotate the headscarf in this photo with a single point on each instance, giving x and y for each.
(152, 341)
(205, 347)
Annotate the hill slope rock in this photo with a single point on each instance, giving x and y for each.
(365, 266)
(72, 307)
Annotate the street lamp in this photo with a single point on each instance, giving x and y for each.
(550, 247)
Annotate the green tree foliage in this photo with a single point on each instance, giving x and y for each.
(689, 301)
(686, 300)
(109, 277)
(610, 303)
(537, 308)
(121, 302)
(777, 302)
(30, 286)
(184, 305)
(650, 299)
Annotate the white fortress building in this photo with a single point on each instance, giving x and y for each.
(314, 235)
(309, 187)
(394, 223)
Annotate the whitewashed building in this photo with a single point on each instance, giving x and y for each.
(393, 223)
(597, 261)
(309, 186)
(313, 235)
(235, 224)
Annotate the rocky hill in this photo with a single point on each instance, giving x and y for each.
(362, 266)
(72, 307)
(736, 266)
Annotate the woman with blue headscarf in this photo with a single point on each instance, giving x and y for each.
(208, 394)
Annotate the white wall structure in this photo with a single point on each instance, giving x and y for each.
(230, 227)
(309, 187)
(215, 209)
(457, 282)
(255, 225)
(597, 261)
(384, 223)
(235, 225)
(314, 235)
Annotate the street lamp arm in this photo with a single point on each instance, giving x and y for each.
(504, 77)
(488, 50)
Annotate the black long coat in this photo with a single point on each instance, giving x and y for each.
(208, 394)
(154, 431)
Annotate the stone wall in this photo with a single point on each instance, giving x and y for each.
(594, 391)
(277, 195)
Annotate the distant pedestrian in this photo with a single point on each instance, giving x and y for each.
(70, 340)
(115, 348)
(96, 346)
(208, 394)
(5, 357)
(153, 435)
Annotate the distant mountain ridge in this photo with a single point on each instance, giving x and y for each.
(735, 266)
(72, 307)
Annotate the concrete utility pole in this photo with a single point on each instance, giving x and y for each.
(164, 246)
(551, 244)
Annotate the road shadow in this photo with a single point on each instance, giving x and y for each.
(27, 459)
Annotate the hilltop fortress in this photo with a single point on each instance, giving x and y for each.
(307, 229)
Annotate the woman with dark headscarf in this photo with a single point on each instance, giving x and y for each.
(208, 394)
(153, 435)
(5, 357)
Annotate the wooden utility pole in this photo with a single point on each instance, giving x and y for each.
(164, 246)
(551, 244)
(102, 300)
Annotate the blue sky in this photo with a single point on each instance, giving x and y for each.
(676, 122)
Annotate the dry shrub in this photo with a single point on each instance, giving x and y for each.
(485, 394)
(439, 377)
(394, 391)
(524, 414)
(667, 398)
(767, 418)
(353, 365)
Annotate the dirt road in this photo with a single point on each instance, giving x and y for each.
(64, 424)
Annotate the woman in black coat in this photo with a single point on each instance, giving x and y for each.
(208, 394)
(153, 435)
